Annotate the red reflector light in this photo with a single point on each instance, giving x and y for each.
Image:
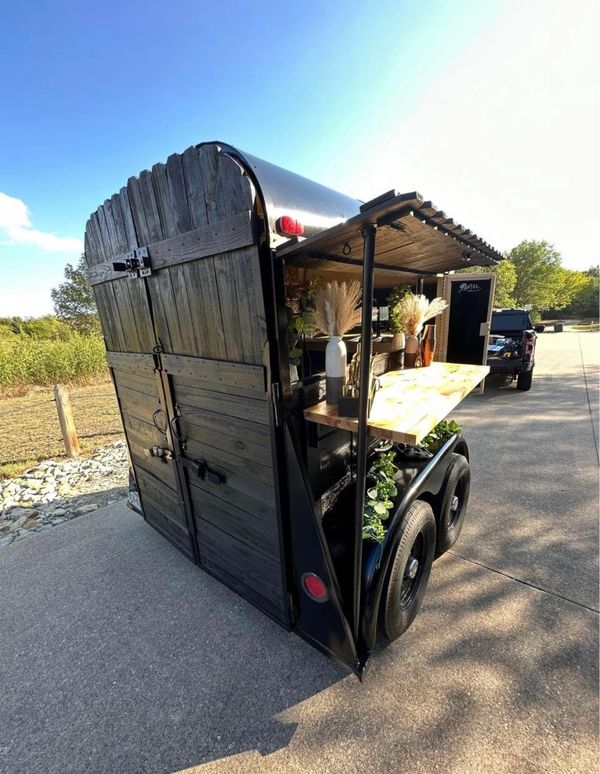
(288, 226)
(314, 587)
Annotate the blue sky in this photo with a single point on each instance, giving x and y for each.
(487, 108)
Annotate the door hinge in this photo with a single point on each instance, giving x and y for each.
(276, 400)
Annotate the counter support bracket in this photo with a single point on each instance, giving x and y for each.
(369, 233)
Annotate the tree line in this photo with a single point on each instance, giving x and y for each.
(74, 307)
(532, 275)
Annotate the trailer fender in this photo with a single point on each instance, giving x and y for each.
(378, 557)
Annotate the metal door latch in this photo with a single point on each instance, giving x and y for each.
(159, 451)
(201, 469)
(135, 262)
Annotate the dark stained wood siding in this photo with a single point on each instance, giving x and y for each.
(144, 415)
(224, 420)
(202, 307)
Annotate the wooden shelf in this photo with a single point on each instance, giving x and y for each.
(410, 403)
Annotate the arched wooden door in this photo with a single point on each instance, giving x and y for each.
(174, 262)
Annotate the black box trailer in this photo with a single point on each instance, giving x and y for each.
(252, 476)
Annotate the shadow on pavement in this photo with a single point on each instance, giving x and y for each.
(118, 655)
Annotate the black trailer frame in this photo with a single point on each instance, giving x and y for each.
(344, 624)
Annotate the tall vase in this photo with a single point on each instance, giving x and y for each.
(411, 351)
(335, 368)
(427, 345)
(398, 340)
(397, 354)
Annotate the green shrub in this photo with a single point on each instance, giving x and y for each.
(25, 360)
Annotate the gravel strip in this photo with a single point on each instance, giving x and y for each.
(54, 492)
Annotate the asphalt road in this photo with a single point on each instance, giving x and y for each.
(117, 655)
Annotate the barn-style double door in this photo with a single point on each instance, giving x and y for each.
(174, 263)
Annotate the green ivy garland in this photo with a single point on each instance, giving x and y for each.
(379, 496)
(439, 435)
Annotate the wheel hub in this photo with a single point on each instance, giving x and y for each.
(412, 567)
(454, 504)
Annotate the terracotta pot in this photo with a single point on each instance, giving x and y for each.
(411, 351)
(427, 345)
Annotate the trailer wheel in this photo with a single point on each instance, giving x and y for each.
(410, 570)
(524, 380)
(454, 503)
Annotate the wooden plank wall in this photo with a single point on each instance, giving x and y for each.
(225, 421)
(211, 307)
(144, 415)
(207, 314)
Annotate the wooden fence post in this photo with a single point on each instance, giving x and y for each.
(65, 417)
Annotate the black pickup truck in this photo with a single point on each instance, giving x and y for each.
(511, 348)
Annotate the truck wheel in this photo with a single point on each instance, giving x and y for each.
(454, 503)
(524, 380)
(410, 570)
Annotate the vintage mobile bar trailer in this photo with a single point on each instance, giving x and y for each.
(254, 478)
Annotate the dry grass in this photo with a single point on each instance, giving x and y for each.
(336, 307)
(413, 311)
(30, 429)
(590, 325)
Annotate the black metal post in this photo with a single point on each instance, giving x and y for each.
(420, 285)
(366, 345)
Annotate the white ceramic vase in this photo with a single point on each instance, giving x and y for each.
(335, 368)
(398, 340)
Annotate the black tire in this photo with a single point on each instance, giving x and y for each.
(403, 594)
(455, 498)
(524, 380)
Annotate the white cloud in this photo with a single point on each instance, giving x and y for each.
(16, 229)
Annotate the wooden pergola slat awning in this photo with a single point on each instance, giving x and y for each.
(414, 239)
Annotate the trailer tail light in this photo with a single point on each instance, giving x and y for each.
(528, 344)
(288, 226)
(314, 587)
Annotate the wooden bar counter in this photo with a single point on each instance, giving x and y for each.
(410, 403)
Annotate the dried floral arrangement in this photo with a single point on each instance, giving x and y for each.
(412, 311)
(336, 307)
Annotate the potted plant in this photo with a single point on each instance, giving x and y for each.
(298, 304)
(396, 326)
(336, 313)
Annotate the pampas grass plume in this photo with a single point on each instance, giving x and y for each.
(336, 307)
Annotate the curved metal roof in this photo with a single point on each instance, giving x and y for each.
(286, 193)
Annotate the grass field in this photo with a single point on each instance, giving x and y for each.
(30, 429)
(27, 361)
(587, 325)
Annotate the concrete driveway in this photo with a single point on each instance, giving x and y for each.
(117, 655)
